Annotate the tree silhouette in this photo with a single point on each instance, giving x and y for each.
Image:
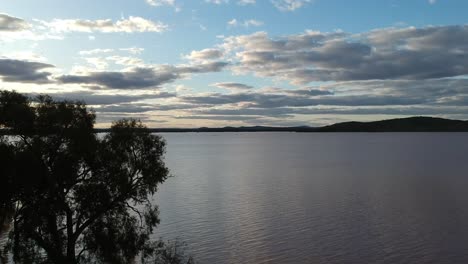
(77, 197)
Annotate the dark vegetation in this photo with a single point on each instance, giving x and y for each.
(71, 196)
(410, 124)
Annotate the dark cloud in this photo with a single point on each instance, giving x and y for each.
(205, 55)
(441, 97)
(125, 108)
(142, 108)
(214, 117)
(93, 98)
(139, 78)
(263, 100)
(291, 111)
(406, 54)
(232, 86)
(9, 23)
(135, 79)
(24, 71)
(308, 92)
(112, 117)
(433, 91)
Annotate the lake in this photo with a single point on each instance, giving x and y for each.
(317, 197)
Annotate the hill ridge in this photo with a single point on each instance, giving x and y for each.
(407, 124)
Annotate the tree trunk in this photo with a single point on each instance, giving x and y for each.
(71, 257)
(71, 254)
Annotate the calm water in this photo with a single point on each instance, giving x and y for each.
(318, 198)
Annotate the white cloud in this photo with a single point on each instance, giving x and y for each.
(158, 3)
(289, 5)
(432, 1)
(217, 2)
(128, 25)
(246, 2)
(24, 55)
(161, 2)
(95, 51)
(252, 22)
(133, 50)
(126, 61)
(13, 28)
(233, 22)
(246, 23)
(98, 63)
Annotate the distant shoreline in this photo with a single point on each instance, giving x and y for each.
(410, 124)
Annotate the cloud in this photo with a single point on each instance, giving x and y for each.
(233, 22)
(131, 50)
(135, 79)
(262, 100)
(350, 95)
(391, 53)
(232, 86)
(141, 77)
(125, 108)
(95, 51)
(102, 63)
(312, 91)
(96, 98)
(246, 23)
(379, 110)
(98, 63)
(11, 24)
(128, 25)
(20, 71)
(205, 55)
(289, 5)
(217, 117)
(158, 3)
(246, 2)
(217, 2)
(24, 55)
(432, 1)
(14, 28)
(125, 61)
(443, 97)
(161, 2)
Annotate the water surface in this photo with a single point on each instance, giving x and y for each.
(318, 198)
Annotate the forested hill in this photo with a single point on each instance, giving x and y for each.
(411, 124)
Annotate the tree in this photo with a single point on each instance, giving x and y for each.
(77, 197)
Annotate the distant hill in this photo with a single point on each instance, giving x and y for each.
(411, 124)
(229, 129)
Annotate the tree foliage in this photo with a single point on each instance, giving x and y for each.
(77, 197)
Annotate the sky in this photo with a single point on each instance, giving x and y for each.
(174, 63)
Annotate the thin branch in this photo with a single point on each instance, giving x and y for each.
(137, 212)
